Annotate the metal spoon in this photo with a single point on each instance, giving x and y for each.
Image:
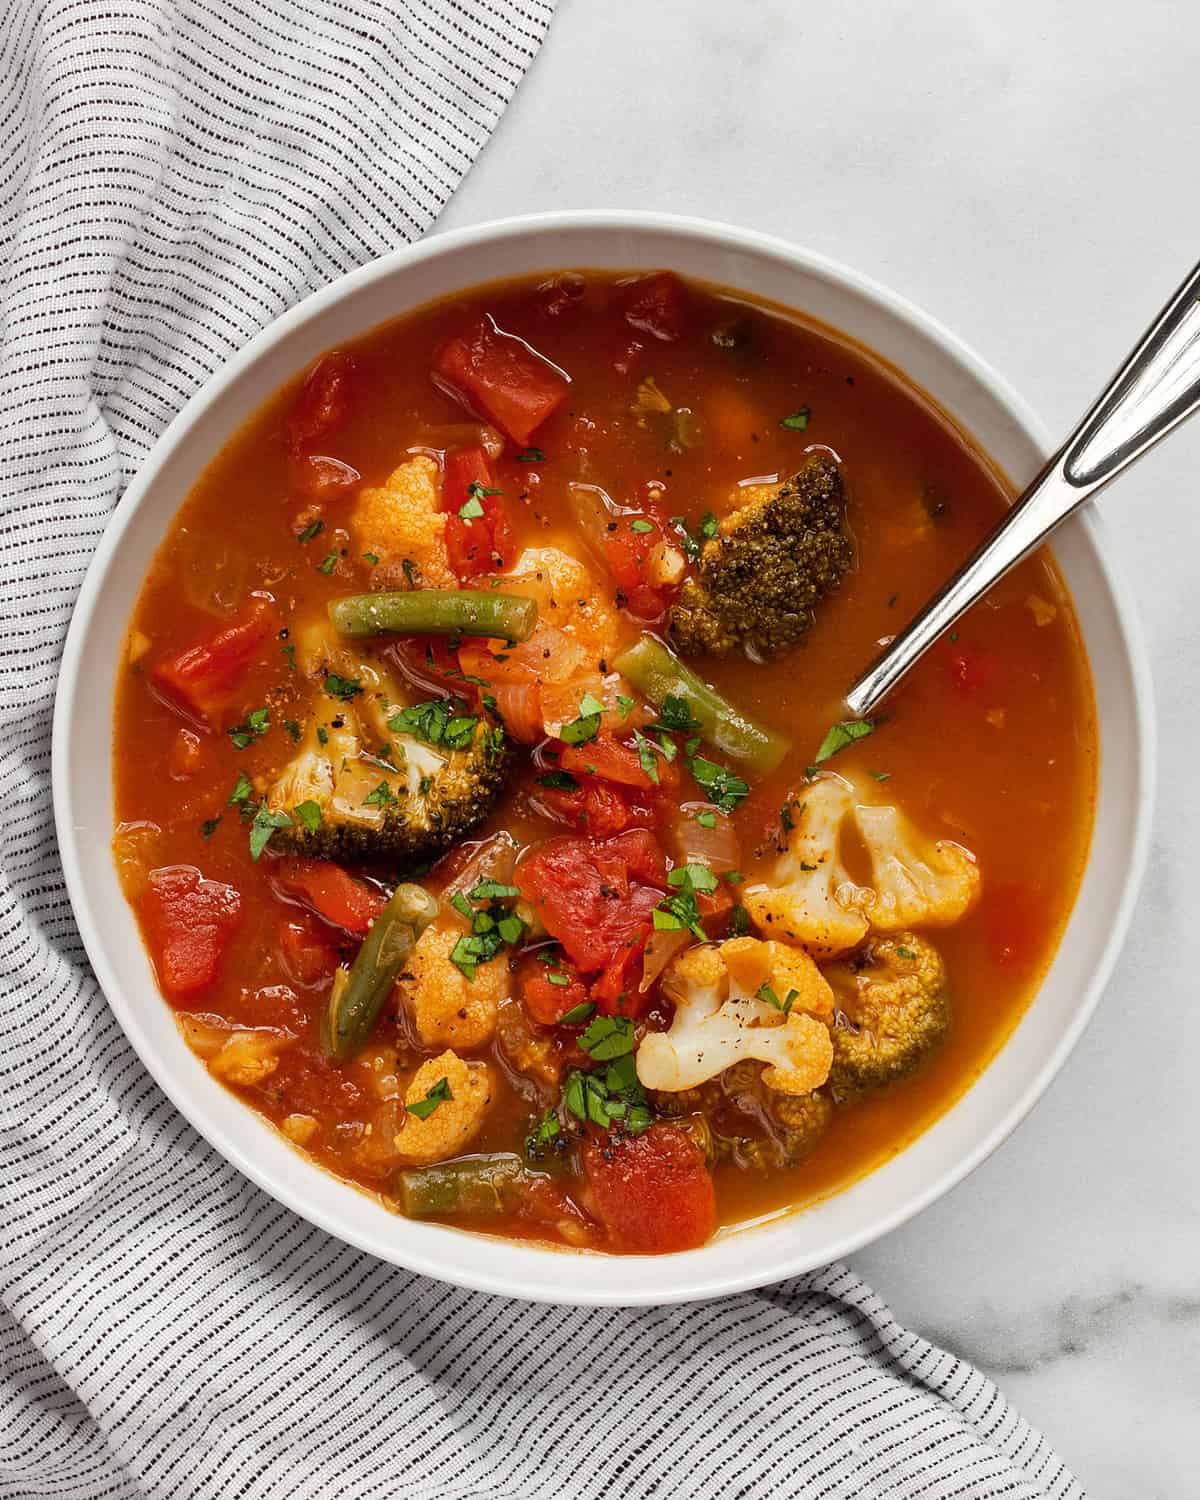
(1156, 388)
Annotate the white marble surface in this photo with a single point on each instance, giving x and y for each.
(1026, 172)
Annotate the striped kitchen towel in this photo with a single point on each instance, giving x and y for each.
(174, 174)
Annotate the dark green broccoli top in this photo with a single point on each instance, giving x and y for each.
(761, 578)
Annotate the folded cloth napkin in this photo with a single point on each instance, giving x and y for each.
(174, 174)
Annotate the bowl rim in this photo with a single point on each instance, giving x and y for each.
(949, 346)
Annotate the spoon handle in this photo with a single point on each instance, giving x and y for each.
(1156, 388)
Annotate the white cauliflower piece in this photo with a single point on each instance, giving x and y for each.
(568, 597)
(447, 1009)
(720, 1021)
(248, 1058)
(808, 897)
(403, 518)
(918, 882)
(458, 1113)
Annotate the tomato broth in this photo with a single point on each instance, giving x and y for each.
(682, 400)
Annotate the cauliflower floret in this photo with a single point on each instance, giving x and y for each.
(446, 1008)
(808, 897)
(403, 519)
(917, 882)
(892, 1011)
(720, 1021)
(460, 1106)
(568, 597)
(248, 1058)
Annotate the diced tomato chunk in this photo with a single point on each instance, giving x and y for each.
(653, 1192)
(188, 922)
(475, 544)
(658, 305)
(306, 952)
(204, 678)
(628, 548)
(546, 996)
(594, 807)
(595, 896)
(618, 990)
(328, 890)
(970, 668)
(501, 378)
(323, 403)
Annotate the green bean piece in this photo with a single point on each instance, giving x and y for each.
(357, 995)
(658, 674)
(503, 617)
(475, 1186)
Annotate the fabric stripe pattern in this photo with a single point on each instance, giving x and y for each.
(173, 175)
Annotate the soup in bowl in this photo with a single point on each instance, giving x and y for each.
(483, 792)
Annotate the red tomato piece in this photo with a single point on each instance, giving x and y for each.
(657, 305)
(618, 990)
(594, 807)
(501, 378)
(547, 1000)
(970, 668)
(323, 403)
(306, 953)
(595, 895)
(519, 705)
(652, 1192)
(203, 679)
(476, 544)
(605, 757)
(188, 921)
(328, 890)
(627, 549)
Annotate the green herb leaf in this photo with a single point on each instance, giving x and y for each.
(706, 819)
(580, 731)
(493, 890)
(308, 815)
(293, 728)
(625, 704)
(314, 528)
(839, 736)
(739, 921)
(327, 564)
(798, 421)
(641, 526)
(243, 787)
(470, 510)
(381, 796)
(531, 456)
(608, 1037)
(722, 787)
(439, 721)
(646, 756)
(265, 824)
(371, 559)
(439, 1094)
(767, 994)
(578, 1014)
(288, 652)
(675, 715)
(255, 724)
(343, 688)
(209, 827)
(589, 705)
(560, 781)
(558, 978)
(904, 952)
(708, 526)
(692, 878)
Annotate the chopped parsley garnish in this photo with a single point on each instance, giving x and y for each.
(209, 827)
(289, 656)
(724, 789)
(410, 571)
(839, 736)
(255, 724)
(371, 559)
(706, 819)
(798, 421)
(314, 528)
(492, 925)
(578, 1014)
(293, 728)
(470, 510)
(767, 994)
(344, 688)
(327, 563)
(679, 911)
(265, 824)
(646, 755)
(613, 1096)
(785, 817)
(691, 540)
(882, 775)
(693, 878)
(531, 456)
(905, 952)
(547, 1129)
(608, 1037)
(675, 715)
(625, 705)
(243, 788)
(587, 726)
(308, 814)
(381, 796)
(558, 978)
(739, 921)
(322, 735)
(559, 781)
(708, 526)
(439, 1094)
(438, 721)
(641, 526)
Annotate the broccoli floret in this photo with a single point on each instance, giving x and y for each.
(761, 577)
(893, 1011)
(401, 809)
(798, 1121)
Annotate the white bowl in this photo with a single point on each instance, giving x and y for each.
(936, 361)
